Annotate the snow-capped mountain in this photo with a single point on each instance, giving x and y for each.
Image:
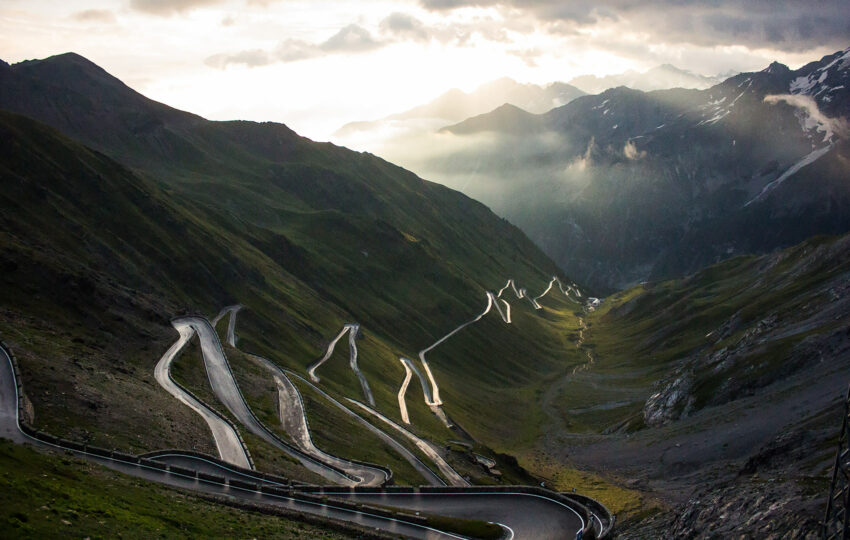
(628, 185)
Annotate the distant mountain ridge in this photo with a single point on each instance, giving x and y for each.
(505, 119)
(455, 105)
(417, 137)
(530, 97)
(660, 77)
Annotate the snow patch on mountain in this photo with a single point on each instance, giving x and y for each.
(844, 59)
(813, 84)
(804, 85)
(807, 160)
(601, 105)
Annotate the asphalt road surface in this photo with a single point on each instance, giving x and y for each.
(226, 440)
(227, 391)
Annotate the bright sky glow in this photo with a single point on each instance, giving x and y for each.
(316, 65)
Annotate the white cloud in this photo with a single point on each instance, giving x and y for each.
(350, 39)
(631, 151)
(97, 16)
(786, 25)
(584, 161)
(169, 7)
(813, 117)
(404, 25)
(398, 55)
(251, 58)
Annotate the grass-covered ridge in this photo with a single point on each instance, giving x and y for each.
(97, 257)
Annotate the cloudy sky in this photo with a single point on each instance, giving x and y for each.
(316, 65)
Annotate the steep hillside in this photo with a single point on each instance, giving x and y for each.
(350, 215)
(98, 255)
(723, 391)
(626, 185)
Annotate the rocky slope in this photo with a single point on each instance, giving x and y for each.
(722, 392)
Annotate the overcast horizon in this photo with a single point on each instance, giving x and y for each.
(318, 65)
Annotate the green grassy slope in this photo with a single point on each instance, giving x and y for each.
(95, 260)
(97, 257)
(723, 380)
(474, 367)
(56, 496)
(733, 329)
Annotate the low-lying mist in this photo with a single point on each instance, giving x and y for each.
(504, 171)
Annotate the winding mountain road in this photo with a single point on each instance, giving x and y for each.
(402, 403)
(432, 397)
(293, 417)
(524, 515)
(294, 420)
(231, 325)
(353, 329)
(519, 293)
(230, 336)
(227, 391)
(10, 429)
(409, 369)
(227, 441)
(417, 464)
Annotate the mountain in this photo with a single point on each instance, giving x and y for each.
(626, 185)
(123, 213)
(420, 138)
(411, 137)
(658, 78)
(504, 119)
(456, 105)
(718, 394)
(730, 381)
